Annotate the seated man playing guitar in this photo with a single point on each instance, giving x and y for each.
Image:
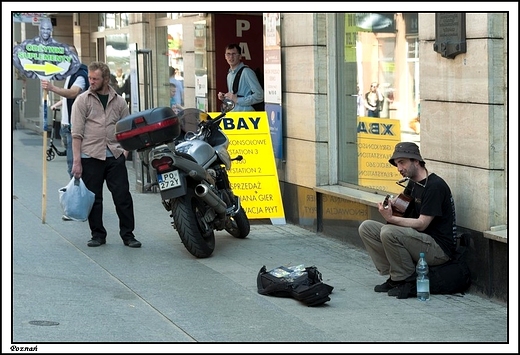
(426, 224)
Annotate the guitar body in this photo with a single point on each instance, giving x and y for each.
(399, 205)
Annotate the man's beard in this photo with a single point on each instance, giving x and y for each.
(100, 90)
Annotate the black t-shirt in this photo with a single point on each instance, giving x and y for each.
(435, 199)
(103, 99)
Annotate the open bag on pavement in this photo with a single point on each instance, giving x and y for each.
(301, 283)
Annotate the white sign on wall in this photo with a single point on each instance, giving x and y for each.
(201, 85)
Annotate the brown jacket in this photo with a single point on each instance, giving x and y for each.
(95, 126)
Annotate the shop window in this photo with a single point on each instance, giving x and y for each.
(172, 15)
(112, 20)
(377, 54)
(118, 60)
(170, 66)
(123, 19)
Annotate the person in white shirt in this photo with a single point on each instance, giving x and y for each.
(373, 100)
(74, 85)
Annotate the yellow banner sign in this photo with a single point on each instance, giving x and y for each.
(255, 178)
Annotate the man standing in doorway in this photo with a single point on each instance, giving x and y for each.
(249, 91)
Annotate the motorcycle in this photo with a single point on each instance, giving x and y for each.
(190, 172)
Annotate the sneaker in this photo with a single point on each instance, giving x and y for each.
(66, 218)
(387, 285)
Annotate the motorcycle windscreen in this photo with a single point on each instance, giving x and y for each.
(190, 119)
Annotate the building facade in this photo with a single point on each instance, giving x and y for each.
(455, 108)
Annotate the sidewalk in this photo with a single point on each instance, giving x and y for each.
(164, 300)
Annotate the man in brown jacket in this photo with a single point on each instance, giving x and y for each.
(98, 157)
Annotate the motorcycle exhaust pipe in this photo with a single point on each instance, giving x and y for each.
(210, 198)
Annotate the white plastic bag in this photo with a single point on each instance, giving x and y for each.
(76, 200)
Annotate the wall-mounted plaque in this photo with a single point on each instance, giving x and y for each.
(450, 34)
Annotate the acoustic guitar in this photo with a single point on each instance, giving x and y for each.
(399, 205)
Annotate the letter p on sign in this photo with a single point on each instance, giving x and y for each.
(242, 25)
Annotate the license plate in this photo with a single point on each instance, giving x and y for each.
(169, 180)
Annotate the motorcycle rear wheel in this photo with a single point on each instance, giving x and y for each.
(188, 215)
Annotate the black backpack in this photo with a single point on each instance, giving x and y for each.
(82, 71)
(261, 105)
(307, 288)
(453, 276)
(449, 278)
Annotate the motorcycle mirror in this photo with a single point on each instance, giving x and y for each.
(227, 105)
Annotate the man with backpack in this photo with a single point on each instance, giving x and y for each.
(248, 91)
(74, 85)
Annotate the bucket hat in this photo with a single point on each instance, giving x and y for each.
(406, 150)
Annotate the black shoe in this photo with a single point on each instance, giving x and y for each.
(405, 290)
(387, 285)
(96, 242)
(132, 243)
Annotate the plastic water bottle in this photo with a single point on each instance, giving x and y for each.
(423, 282)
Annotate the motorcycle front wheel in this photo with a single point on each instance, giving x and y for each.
(188, 215)
(240, 225)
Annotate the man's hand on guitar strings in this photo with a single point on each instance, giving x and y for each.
(385, 208)
(385, 202)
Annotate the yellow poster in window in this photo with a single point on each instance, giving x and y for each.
(377, 138)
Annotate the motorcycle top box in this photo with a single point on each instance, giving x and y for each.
(147, 129)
